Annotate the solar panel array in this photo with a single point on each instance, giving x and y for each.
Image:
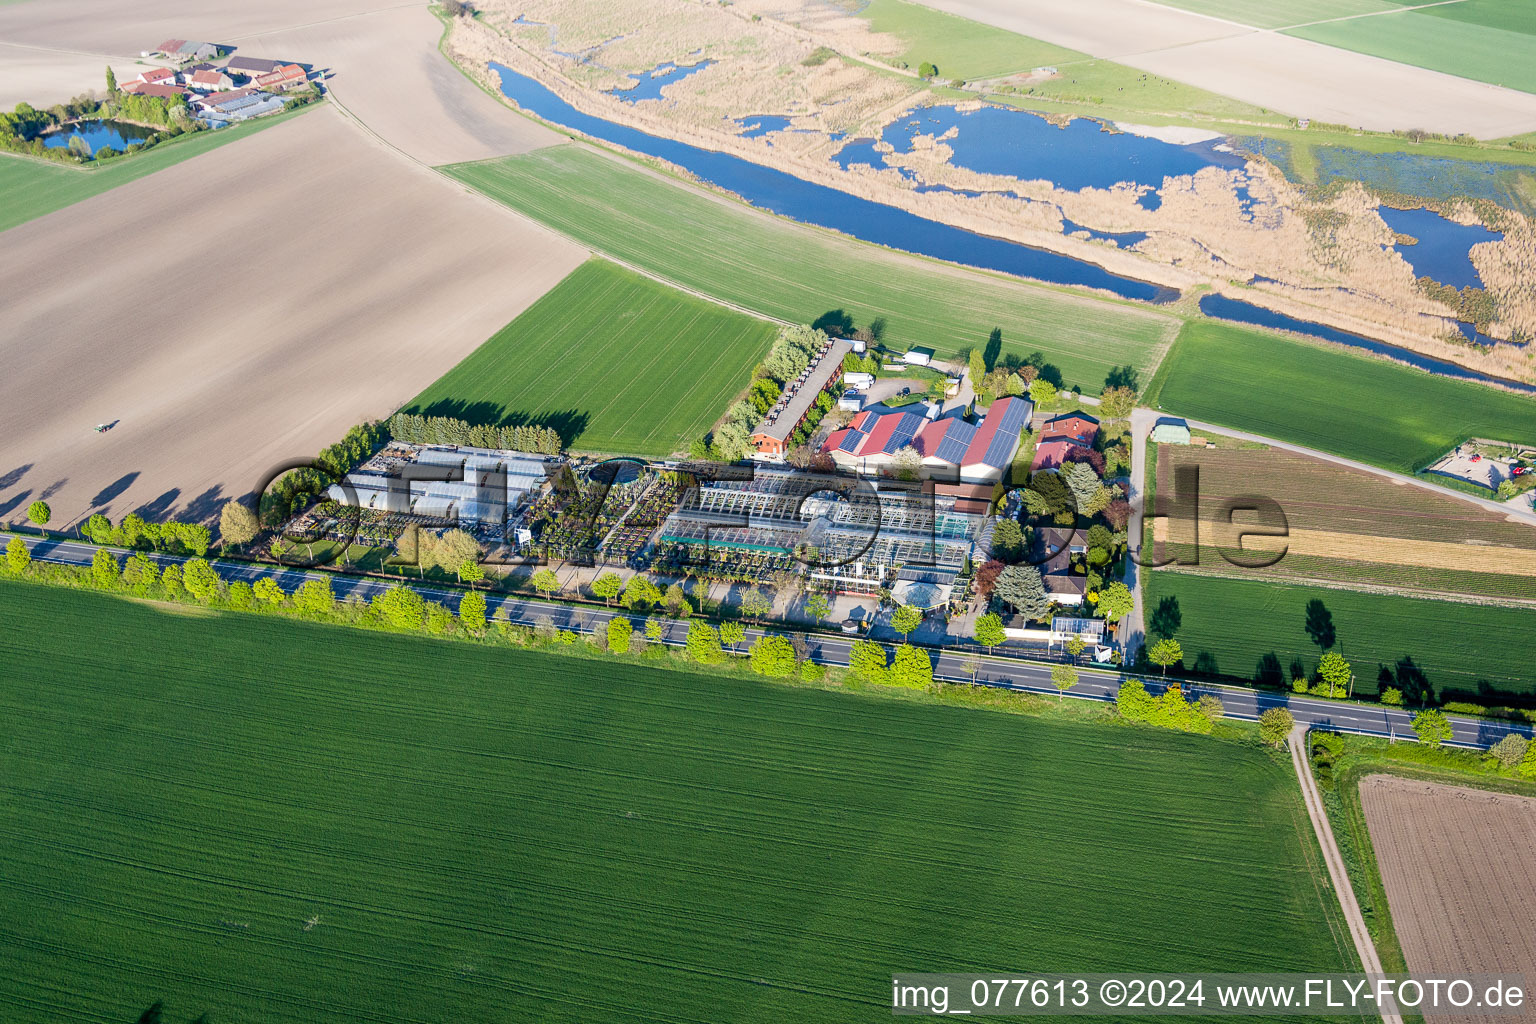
(1000, 448)
(955, 442)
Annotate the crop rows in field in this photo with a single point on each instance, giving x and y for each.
(795, 273)
(1365, 409)
(1491, 41)
(1348, 527)
(613, 360)
(1465, 651)
(271, 821)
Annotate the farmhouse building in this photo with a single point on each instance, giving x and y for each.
(154, 76)
(771, 438)
(209, 81)
(1076, 427)
(251, 67)
(289, 76)
(163, 92)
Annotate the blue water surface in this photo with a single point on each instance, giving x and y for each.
(1124, 239)
(99, 135)
(1223, 308)
(827, 207)
(1443, 249)
(1021, 144)
(658, 78)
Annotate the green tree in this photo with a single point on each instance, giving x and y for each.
(98, 528)
(1043, 393)
(237, 524)
(817, 607)
(315, 597)
(1275, 725)
(471, 573)
(640, 593)
(200, 579)
(607, 587)
(1166, 652)
(1393, 696)
(1021, 587)
(653, 629)
(17, 558)
(1527, 766)
(732, 633)
(677, 603)
(978, 366)
(912, 668)
(1075, 647)
(472, 611)
(1134, 702)
(703, 643)
(866, 661)
(989, 630)
(1007, 541)
(400, 607)
(1432, 726)
(111, 82)
(139, 572)
(620, 632)
(39, 513)
(1116, 602)
(1509, 751)
(905, 619)
(1063, 677)
(171, 581)
(756, 605)
(927, 69)
(546, 582)
(772, 656)
(104, 570)
(1117, 403)
(267, 591)
(1335, 671)
(440, 621)
(1211, 707)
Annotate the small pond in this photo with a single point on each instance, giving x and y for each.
(1223, 308)
(115, 135)
(1443, 250)
(650, 83)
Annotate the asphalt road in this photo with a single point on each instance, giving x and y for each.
(952, 663)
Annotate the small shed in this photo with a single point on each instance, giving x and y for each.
(1170, 431)
(918, 356)
(851, 400)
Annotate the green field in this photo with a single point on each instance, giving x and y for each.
(1467, 652)
(1362, 408)
(797, 273)
(1490, 41)
(272, 821)
(31, 188)
(612, 360)
(1281, 13)
(961, 49)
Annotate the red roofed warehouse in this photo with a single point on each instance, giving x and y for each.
(289, 76)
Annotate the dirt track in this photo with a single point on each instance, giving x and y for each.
(1457, 865)
(1271, 70)
(239, 308)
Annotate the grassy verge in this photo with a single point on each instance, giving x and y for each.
(31, 188)
(1365, 409)
(383, 825)
(791, 272)
(613, 360)
(1339, 763)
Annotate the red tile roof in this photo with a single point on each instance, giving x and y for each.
(157, 75)
(1074, 425)
(209, 77)
(1051, 454)
(170, 46)
(286, 73)
(164, 92)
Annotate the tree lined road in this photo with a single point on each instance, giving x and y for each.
(952, 664)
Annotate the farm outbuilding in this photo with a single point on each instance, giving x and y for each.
(1170, 431)
(918, 356)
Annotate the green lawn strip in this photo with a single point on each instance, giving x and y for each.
(1442, 42)
(1467, 652)
(1362, 408)
(32, 188)
(796, 273)
(1343, 762)
(309, 820)
(1281, 13)
(962, 49)
(615, 361)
